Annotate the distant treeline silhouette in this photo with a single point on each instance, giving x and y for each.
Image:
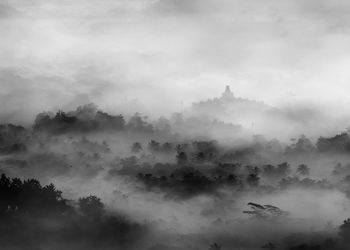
(86, 119)
(89, 119)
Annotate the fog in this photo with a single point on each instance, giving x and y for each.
(68, 53)
(176, 182)
(173, 124)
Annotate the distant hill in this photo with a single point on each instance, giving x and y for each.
(259, 117)
(228, 104)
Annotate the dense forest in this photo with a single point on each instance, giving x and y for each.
(132, 182)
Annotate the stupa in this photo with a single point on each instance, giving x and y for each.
(228, 94)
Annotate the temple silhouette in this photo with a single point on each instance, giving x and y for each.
(228, 94)
(228, 104)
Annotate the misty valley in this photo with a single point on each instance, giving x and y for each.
(174, 125)
(89, 179)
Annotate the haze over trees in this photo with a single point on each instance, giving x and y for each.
(161, 184)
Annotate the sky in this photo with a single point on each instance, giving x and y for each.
(160, 55)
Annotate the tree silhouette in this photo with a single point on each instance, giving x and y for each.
(344, 231)
(181, 158)
(136, 148)
(269, 246)
(91, 206)
(32, 215)
(154, 146)
(253, 180)
(215, 246)
(303, 169)
(30, 197)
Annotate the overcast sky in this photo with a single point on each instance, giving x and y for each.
(60, 53)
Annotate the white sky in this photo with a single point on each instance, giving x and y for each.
(55, 53)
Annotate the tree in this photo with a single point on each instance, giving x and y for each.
(29, 197)
(215, 246)
(139, 124)
(91, 206)
(253, 179)
(302, 145)
(283, 169)
(339, 143)
(303, 169)
(136, 148)
(344, 231)
(181, 158)
(5, 193)
(269, 246)
(167, 147)
(200, 157)
(154, 146)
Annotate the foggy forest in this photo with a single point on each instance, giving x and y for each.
(174, 125)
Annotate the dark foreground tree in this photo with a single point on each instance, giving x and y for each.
(33, 216)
